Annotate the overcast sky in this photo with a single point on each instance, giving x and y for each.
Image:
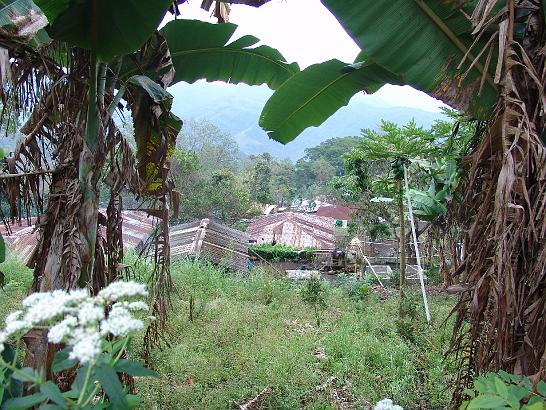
(304, 31)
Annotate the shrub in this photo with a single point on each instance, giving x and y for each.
(96, 332)
(282, 253)
(407, 322)
(358, 290)
(313, 293)
(434, 276)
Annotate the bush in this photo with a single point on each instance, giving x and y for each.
(95, 331)
(358, 290)
(313, 293)
(407, 324)
(282, 253)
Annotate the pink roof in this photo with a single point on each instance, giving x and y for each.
(335, 211)
(295, 229)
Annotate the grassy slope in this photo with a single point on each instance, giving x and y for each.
(245, 338)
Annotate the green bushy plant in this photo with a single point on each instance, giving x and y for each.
(434, 276)
(359, 290)
(407, 322)
(313, 293)
(268, 291)
(503, 390)
(282, 253)
(394, 279)
(200, 281)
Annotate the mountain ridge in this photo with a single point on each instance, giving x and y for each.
(236, 109)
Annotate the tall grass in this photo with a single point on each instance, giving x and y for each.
(253, 331)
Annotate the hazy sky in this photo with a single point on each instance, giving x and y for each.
(304, 31)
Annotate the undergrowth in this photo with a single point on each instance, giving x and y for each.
(251, 331)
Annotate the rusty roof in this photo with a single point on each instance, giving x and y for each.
(335, 211)
(210, 240)
(295, 229)
(137, 226)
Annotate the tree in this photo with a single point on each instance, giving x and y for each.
(332, 151)
(483, 58)
(283, 182)
(315, 171)
(396, 145)
(215, 148)
(259, 178)
(109, 55)
(206, 168)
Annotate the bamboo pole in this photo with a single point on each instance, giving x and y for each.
(419, 268)
(373, 270)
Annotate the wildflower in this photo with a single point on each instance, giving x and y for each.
(120, 322)
(47, 307)
(14, 323)
(13, 316)
(86, 345)
(62, 330)
(119, 290)
(89, 312)
(133, 306)
(387, 404)
(34, 299)
(78, 319)
(16, 326)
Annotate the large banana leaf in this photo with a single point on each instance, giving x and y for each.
(424, 42)
(311, 96)
(120, 27)
(201, 50)
(156, 128)
(428, 206)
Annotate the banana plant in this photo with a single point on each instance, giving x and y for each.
(428, 45)
(72, 66)
(432, 203)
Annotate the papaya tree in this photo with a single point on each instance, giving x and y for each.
(68, 68)
(396, 145)
(486, 59)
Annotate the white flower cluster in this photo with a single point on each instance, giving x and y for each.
(79, 320)
(387, 404)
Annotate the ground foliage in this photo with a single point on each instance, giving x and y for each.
(254, 332)
(281, 252)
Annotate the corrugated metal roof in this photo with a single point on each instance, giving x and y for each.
(295, 229)
(211, 240)
(137, 226)
(335, 211)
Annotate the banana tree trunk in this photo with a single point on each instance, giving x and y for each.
(89, 175)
